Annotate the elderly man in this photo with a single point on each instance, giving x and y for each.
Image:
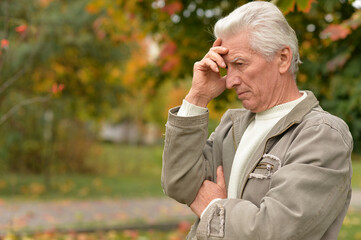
(278, 169)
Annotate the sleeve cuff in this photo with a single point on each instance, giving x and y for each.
(210, 204)
(188, 109)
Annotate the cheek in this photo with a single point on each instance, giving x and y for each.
(265, 79)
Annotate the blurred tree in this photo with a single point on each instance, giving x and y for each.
(53, 56)
(168, 38)
(328, 33)
(132, 60)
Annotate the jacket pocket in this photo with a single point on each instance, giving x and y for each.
(266, 167)
(258, 183)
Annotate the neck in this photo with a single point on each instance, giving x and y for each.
(287, 91)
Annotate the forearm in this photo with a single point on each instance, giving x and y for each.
(185, 163)
(280, 215)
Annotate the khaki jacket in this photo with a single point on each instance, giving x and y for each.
(298, 182)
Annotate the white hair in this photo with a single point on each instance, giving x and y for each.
(268, 28)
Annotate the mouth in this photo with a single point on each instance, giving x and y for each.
(241, 94)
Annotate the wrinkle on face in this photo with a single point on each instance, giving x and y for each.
(254, 78)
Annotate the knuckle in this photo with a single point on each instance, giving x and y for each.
(206, 182)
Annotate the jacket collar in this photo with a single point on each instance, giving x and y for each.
(242, 119)
(241, 122)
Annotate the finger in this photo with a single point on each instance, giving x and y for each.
(219, 49)
(207, 64)
(220, 177)
(217, 58)
(207, 183)
(218, 42)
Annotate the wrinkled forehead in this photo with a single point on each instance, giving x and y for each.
(239, 47)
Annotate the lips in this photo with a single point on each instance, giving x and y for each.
(241, 94)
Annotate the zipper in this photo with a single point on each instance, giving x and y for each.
(267, 166)
(264, 166)
(233, 135)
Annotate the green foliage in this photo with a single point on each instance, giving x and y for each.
(25, 149)
(90, 60)
(351, 228)
(356, 171)
(61, 44)
(327, 30)
(331, 57)
(21, 148)
(117, 171)
(56, 60)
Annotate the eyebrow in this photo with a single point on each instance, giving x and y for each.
(237, 58)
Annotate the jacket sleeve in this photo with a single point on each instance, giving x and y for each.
(305, 195)
(187, 156)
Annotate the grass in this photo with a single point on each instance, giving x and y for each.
(122, 171)
(356, 168)
(351, 228)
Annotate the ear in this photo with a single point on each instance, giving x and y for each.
(285, 58)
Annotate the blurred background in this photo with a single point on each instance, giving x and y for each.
(85, 87)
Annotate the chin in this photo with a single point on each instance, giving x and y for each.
(251, 108)
(246, 104)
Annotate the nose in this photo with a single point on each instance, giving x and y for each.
(232, 79)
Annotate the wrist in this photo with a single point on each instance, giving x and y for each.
(197, 99)
(208, 206)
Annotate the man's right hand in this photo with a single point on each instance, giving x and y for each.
(207, 82)
(209, 191)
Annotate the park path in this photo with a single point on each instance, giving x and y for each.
(33, 216)
(36, 216)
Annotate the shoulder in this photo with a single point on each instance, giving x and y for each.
(318, 118)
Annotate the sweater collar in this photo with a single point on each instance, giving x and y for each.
(241, 121)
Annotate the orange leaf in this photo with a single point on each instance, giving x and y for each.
(169, 49)
(304, 5)
(170, 64)
(336, 32)
(172, 8)
(4, 43)
(338, 61)
(285, 6)
(21, 29)
(57, 88)
(44, 3)
(184, 226)
(92, 9)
